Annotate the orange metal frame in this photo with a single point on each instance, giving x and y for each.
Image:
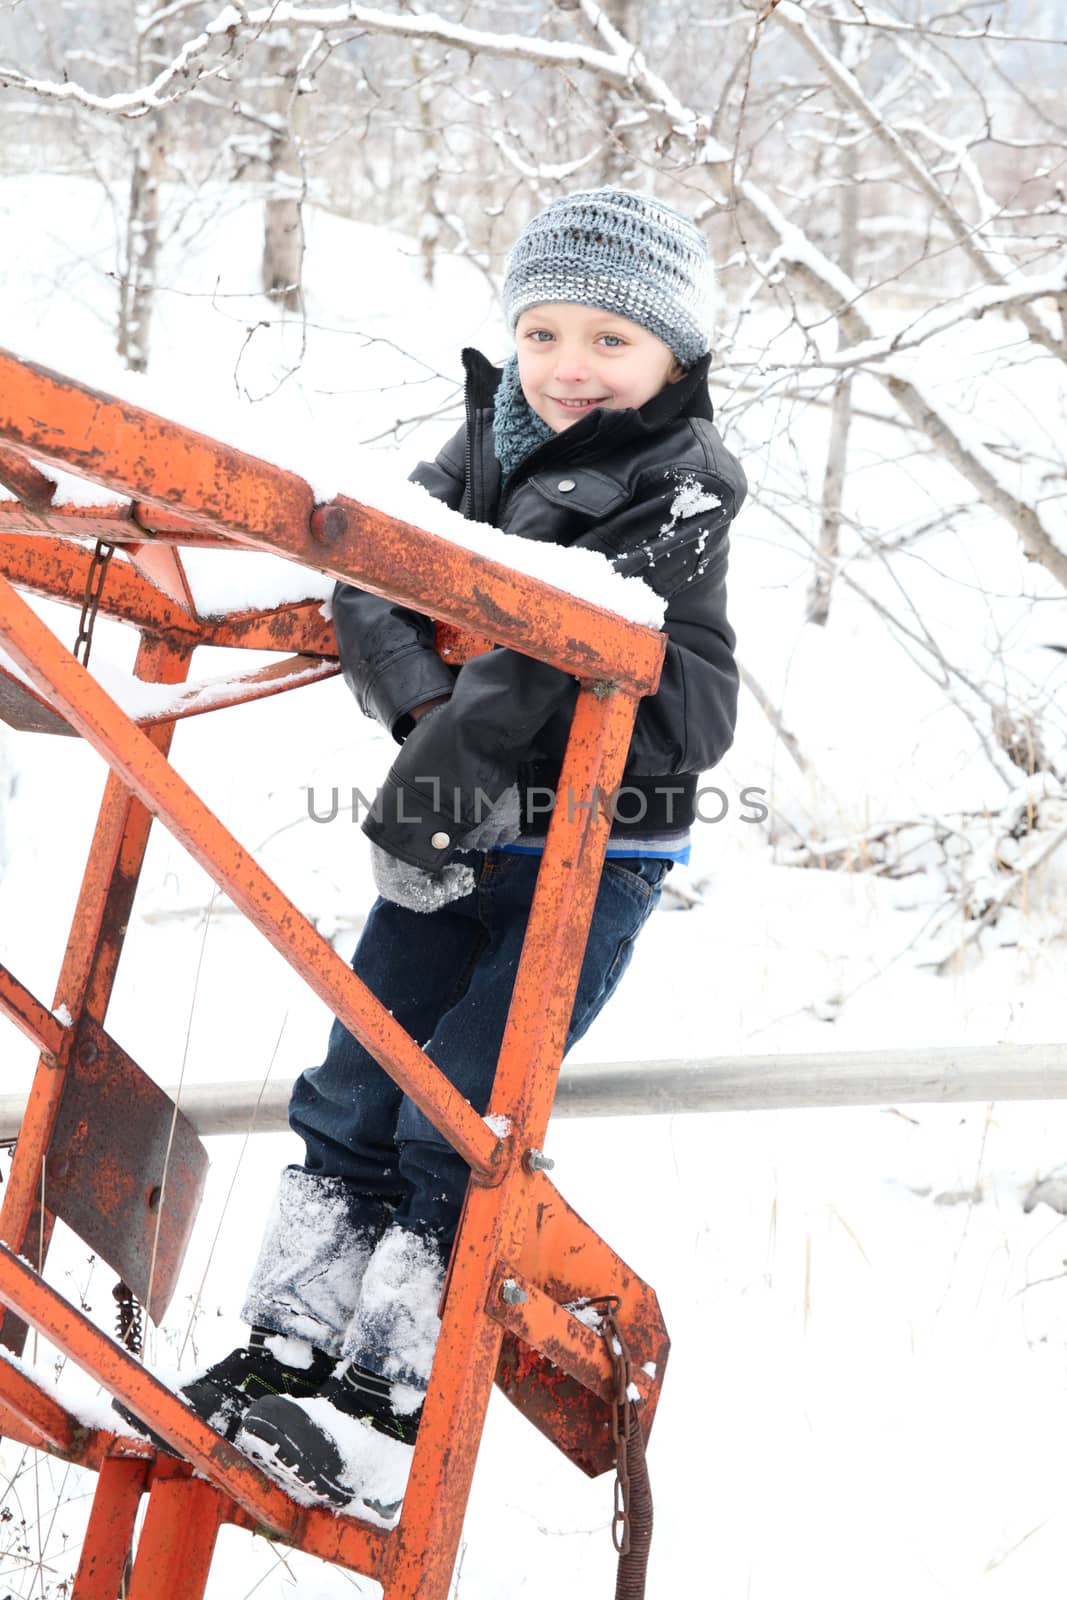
(522, 1256)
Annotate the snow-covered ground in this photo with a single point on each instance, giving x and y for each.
(867, 1385)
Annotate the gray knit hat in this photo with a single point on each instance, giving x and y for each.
(623, 252)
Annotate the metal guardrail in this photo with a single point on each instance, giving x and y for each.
(729, 1083)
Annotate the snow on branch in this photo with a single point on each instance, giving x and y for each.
(808, 266)
(177, 78)
(882, 22)
(188, 68)
(849, 91)
(966, 308)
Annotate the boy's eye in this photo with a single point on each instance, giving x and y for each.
(538, 335)
(612, 340)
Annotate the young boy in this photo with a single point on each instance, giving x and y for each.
(597, 435)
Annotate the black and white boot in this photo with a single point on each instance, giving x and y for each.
(301, 1298)
(348, 1445)
(268, 1365)
(352, 1443)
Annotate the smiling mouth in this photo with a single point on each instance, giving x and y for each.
(578, 405)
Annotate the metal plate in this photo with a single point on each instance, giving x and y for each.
(565, 1258)
(109, 1174)
(23, 708)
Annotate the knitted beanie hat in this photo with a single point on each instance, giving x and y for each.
(620, 251)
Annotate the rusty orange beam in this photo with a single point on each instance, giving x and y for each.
(12, 1426)
(132, 452)
(57, 569)
(223, 490)
(496, 1220)
(74, 1335)
(24, 480)
(562, 908)
(29, 1015)
(259, 684)
(109, 1535)
(128, 522)
(144, 770)
(111, 522)
(299, 627)
(177, 1539)
(90, 1448)
(479, 596)
(93, 948)
(59, 1431)
(43, 1414)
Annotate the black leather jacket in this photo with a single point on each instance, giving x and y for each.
(655, 491)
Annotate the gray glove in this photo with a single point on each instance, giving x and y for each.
(417, 889)
(498, 826)
(413, 887)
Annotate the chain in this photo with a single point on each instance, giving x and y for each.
(608, 1305)
(94, 588)
(130, 1321)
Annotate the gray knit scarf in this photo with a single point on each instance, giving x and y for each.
(517, 430)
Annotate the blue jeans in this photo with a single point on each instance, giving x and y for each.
(447, 978)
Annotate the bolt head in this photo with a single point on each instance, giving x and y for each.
(328, 524)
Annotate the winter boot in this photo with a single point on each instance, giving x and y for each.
(269, 1364)
(349, 1445)
(353, 1441)
(300, 1300)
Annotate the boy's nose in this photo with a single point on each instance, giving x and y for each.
(571, 365)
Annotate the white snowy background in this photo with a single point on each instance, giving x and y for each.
(867, 1390)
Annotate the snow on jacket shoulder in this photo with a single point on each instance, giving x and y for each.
(653, 490)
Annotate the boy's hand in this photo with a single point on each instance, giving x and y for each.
(415, 889)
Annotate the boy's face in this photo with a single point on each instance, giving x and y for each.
(573, 358)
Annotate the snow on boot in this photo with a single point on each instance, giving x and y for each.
(270, 1364)
(318, 1241)
(349, 1445)
(352, 1443)
(395, 1327)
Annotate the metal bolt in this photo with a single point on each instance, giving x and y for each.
(511, 1293)
(328, 524)
(537, 1161)
(88, 1051)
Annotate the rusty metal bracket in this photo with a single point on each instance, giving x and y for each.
(125, 1170)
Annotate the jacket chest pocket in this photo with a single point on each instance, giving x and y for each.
(556, 506)
(583, 492)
